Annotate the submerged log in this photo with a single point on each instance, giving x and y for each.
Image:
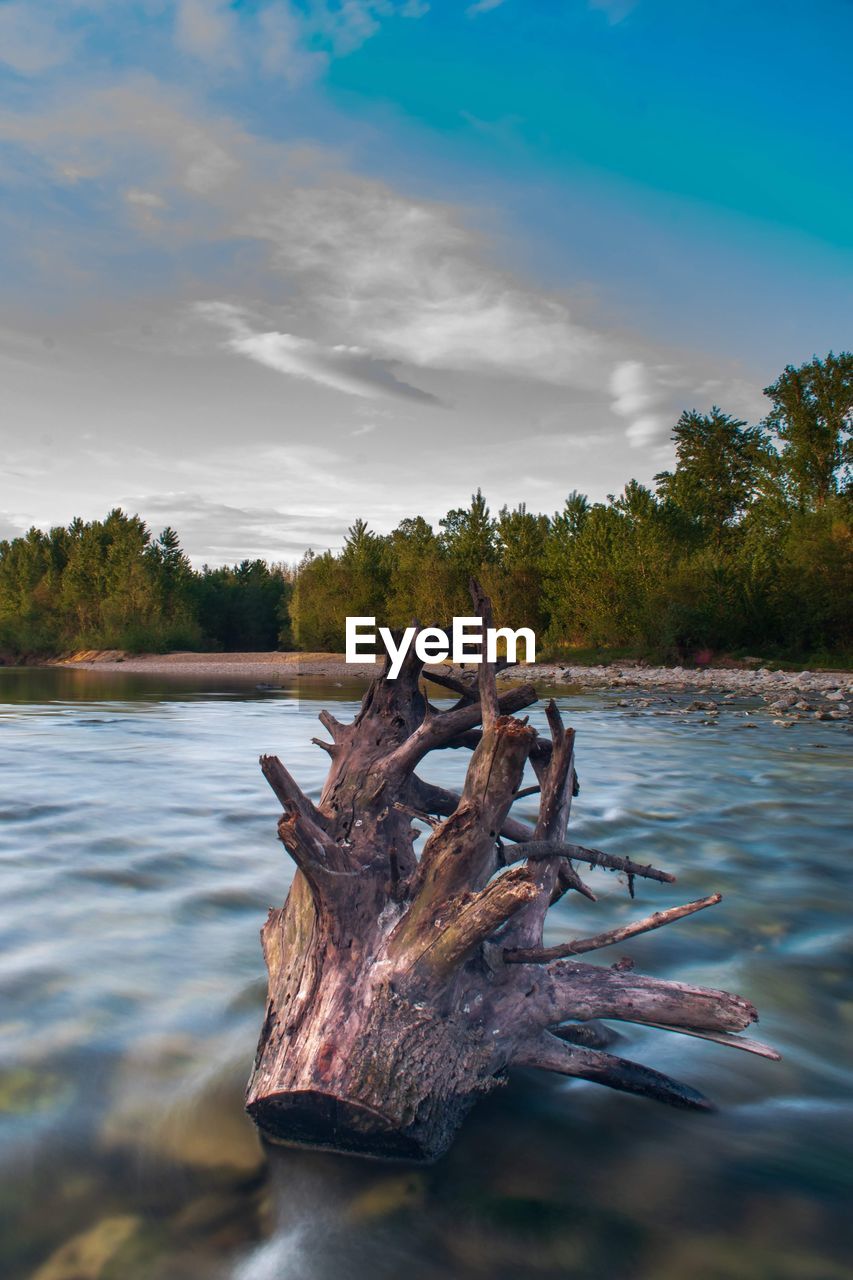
(401, 988)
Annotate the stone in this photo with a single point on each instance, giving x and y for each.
(86, 1256)
(154, 1116)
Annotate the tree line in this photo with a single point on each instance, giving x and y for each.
(744, 545)
(108, 584)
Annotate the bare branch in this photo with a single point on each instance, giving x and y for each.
(535, 849)
(723, 1037)
(589, 1035)
(470, 739)
(550, 1054)
(568, 878)
(333, 726)
(486, 682)
(438, 731)
(571, 989)
(555, 777)
(471, 924)
(543, 955)
(319, 859)
(288, 791)
(467, 691)
(461, 854)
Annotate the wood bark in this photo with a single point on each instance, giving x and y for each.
(402, 988)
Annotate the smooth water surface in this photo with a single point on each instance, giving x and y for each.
(138, 858)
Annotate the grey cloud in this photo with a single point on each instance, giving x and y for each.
(349, 369)
(224, 533)
(9, 526)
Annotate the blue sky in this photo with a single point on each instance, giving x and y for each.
(265, 261)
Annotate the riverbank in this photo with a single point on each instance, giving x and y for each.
(790, 694)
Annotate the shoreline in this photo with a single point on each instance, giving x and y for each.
(833, 686)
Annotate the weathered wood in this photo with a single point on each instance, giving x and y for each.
(543, 955)
(401, 988)
(551, 1054)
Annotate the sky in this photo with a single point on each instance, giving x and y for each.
(270, 265)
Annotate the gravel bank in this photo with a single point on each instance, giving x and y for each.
(789, 695)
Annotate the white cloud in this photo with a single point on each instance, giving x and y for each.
(137, 125)
(277, 35)
(641, 396)
(147, 199)
(280, 51)
(208, 29)
(348, 24)
(483, 6)
(29, 42)
(271, 38)
(614, 10)
(411, 281)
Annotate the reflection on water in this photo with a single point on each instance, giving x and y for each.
(137, 860)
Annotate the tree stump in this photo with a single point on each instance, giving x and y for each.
(401, 988)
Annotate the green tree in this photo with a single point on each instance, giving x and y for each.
(420, 580)
(719, 464)
(364, 571)
(468, 535)
(514, 580)
(812, 415)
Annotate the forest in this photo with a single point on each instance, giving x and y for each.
(744, 547)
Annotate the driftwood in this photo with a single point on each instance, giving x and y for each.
(402, 987)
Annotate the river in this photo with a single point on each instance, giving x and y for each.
(138, 858)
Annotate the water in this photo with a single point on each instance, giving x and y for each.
(137, 861)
